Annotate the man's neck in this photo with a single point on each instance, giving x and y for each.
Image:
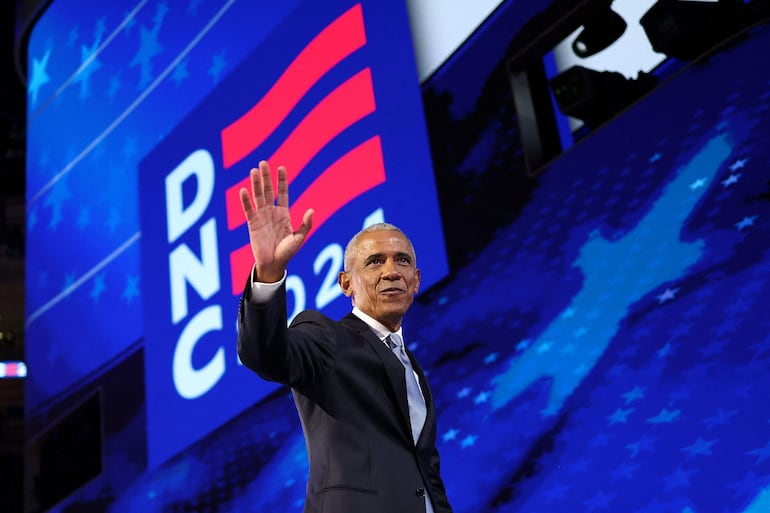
(379, 328)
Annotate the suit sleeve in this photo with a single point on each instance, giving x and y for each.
(296, 356)
(439, 498)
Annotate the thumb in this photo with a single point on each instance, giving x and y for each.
(307, 223)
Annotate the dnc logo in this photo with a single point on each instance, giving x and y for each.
(333, 95)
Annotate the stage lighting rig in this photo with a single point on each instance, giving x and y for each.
(600, 30)
(595, 96)
(686, 29)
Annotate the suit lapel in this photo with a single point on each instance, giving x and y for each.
(394, 369)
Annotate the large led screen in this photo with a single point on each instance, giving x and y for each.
(330, 91)
(600, 342)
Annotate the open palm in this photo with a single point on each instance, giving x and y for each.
(273, 240)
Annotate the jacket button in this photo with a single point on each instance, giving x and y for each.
(420, 493)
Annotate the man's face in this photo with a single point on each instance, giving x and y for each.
(382, 279)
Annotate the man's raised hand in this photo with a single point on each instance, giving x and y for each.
(273, 240)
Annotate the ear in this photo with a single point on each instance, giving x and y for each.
(417, 283)
(343, 279)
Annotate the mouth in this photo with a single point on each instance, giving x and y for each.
(392, 291)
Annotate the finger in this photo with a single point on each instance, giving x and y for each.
(256, 187)
(307, 223)
(283, 188)
(267, 183)
(248, 209)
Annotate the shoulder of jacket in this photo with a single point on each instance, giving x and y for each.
(312, 316)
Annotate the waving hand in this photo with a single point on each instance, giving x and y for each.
(273, 240)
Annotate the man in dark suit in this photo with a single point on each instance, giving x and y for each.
(365, 406)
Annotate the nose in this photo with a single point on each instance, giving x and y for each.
(390, 270)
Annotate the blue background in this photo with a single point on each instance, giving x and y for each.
(601, 343)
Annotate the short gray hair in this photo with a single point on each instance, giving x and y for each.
(376, 227)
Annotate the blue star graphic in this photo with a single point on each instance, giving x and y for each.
(149, 46)
(733, 178)
(132, 289)
(89, 64)
(620, 416)
(450, 435)
(192, 7)
(55, 199)
(39, 76)
(73, 36)
(745, 222)
(680, 478)
(667, 295)
(738, 164)
(664, 417)
(624, 471)
(115, 86)
(645, 444)
(69, 279)
(130, 148)
(666, 350)
(180, 72)
(32, 220)
(98, 287)
(700, 447)
(762, 453)
(129, 23)
(113, 220)
(217, 66)
(84, 218)
(634, 394)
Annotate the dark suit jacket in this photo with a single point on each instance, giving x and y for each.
(350, 393)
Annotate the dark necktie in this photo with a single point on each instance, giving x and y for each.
(417, 410)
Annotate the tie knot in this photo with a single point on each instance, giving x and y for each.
(394, 340)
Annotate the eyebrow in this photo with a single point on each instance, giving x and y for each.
(400, 254)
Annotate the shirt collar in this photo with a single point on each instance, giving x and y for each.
(379, 329)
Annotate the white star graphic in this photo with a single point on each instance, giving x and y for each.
(667, 295)
(727, 182)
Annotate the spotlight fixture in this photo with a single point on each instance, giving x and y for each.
(686, 30)
(596, 96)
(600, 30)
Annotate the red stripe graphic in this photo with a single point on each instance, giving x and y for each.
(338, 40)
(350, 102)
(356, 172)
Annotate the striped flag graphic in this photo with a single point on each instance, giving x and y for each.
(358, 170)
